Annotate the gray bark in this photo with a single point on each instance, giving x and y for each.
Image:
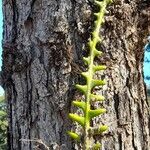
(43, 45)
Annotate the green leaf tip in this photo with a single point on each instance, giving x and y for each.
(103, 128)
(85, 74)
(79, 104)
(82, 88)
(96, 14)
(97, 97)
(97, 53)
(97, 112)
(97, 146)
(86, 60)
(77, 118)
(99, 68)
(98, 83)
(73, 135)
(90, 43)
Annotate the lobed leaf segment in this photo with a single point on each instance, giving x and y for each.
(85, 120)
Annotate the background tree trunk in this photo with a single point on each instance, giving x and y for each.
(43, 45)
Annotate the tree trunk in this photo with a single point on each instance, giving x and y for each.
(43, 45)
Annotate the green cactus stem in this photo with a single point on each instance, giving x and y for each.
(91, 83)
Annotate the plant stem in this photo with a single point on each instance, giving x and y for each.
(91, 74)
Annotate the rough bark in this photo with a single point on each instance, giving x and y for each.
(43, 45)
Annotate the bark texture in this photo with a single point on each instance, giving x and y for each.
(43, 45)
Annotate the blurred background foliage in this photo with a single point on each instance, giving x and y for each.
(3, 124)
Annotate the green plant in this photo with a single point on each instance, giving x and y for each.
(88, 113)
(3, 124)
